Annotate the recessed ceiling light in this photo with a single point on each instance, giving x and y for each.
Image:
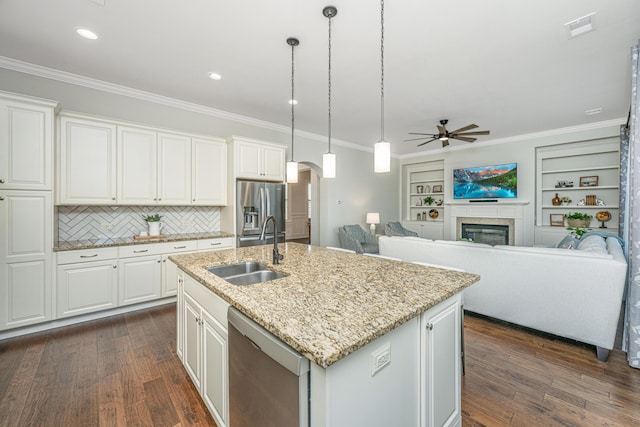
(593, 111)
(581, 26)
(293, 102)
(86, 33)
(214, 76)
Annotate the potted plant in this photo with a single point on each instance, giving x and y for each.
(564, 201)
(429, 200)
(578, 231)
(578, 219)
(154, 224)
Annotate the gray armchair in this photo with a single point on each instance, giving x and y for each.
(353, 237)
(396, 229)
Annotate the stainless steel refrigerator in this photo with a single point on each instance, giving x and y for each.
(255, 201)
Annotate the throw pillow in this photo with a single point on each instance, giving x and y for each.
(593, 244)
(569, 242)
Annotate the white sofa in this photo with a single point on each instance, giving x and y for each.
(571, 293)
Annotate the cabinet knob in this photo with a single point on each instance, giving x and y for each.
(115, 265)
(1, 181)
(159, 261)
(429, 326)
(113, 198)
(1, 198)
(194, 200)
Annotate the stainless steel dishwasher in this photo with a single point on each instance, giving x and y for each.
(268, 380)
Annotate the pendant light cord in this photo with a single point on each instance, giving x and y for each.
(382, 70)
(329, 104)
(293, 100)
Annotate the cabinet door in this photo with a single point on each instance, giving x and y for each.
(440, 364)
(209, 172)
(26, 146)
(192, 340)
(214, 368)
(174, 166)
(273, 163)
(180, 314)
(139, 279)
(249, 160)
(87, 287)
(137, 166)
(25, 257)
(87, 162)
(169, 277)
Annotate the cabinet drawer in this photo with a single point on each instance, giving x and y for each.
(140, 250)
(215, 244)
(181, 246)
(85, 255)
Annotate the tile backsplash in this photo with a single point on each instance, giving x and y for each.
(104, 222)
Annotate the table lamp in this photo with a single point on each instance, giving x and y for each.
(373, 218)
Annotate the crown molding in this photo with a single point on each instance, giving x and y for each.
(90, 83)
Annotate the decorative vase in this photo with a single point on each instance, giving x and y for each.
(155, 227)
(556, 201)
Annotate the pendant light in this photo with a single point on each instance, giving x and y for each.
(382, 149)
(292, 165)
(329, 158)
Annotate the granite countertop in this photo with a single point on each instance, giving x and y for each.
(125, 241)
(332, 303)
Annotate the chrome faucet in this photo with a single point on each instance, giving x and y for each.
(276, 254)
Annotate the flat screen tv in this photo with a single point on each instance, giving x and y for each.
(486, 182)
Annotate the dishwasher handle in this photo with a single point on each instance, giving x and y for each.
(268, 343)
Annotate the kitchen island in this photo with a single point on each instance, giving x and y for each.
(340, 310)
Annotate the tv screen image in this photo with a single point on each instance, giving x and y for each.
(486, 182)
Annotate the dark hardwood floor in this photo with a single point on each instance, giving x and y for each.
(123, 370)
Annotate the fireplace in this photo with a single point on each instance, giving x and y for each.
(493, 231)
(490, 234)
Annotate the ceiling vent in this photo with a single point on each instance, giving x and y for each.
(581, 26)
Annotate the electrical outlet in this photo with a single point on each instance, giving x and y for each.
(106, 226)
(380, 358)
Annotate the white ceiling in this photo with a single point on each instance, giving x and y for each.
(505, 65)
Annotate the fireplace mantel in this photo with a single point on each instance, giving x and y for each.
(513, 210)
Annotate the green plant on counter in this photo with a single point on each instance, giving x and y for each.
(429, 200)
(464, 239)
(152, 218)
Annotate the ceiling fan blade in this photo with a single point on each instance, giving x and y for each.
(472, 126)
(463, 138)
(442, 130)
(445, 143)
(426, 142)
(479, 132)
(415, 139)
(418, 133)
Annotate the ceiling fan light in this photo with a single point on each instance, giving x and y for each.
(382, 157)
(444, 138)
(328, 165)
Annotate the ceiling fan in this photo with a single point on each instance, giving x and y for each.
(444, 135)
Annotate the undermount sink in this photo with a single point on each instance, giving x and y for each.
(245, 273)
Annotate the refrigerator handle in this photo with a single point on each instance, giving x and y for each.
(268, 212)
(262, 207)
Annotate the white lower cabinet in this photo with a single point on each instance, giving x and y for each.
(440, 364)
(87, 287)
(139, 279)
(204, 351)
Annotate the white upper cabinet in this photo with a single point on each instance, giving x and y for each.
(209, 172)
(26, 145)
(137, 166)
(86, 162)
(109, 163)
(258, 160)
(174, 169)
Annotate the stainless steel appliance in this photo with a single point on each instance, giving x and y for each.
(268, 380)
(255, 201)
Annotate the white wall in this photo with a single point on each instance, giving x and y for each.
(356, 185)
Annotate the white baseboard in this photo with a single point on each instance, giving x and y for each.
(59, 323)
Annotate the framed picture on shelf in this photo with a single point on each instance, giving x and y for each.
(437, 188)
(589, 181)
(556, 220)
